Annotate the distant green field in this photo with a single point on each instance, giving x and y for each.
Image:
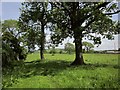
(101, 71)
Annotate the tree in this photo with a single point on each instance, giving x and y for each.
(51, 47)
(83, 19)
(33, 20)
(69, 48)
(12, 50)
(52, 50)
(118, 49)
(87, 46)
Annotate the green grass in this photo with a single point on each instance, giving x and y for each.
(101, 71)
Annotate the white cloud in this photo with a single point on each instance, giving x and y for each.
(109, 44)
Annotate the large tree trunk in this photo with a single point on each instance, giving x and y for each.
(75, 23)
(78, 53)
(42, 41)
(41, 52)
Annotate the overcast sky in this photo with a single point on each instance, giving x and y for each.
(10, 10)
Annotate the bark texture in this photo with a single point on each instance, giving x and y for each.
(76, 22)
(42, 41)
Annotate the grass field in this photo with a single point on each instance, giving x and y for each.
(101, 71)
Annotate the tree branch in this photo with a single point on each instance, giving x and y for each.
(99, 6)
(17, 34)
(112, 13)
(89, 23)
(102, 5)
(62, 5)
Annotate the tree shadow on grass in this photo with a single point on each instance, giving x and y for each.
(34, 68)
(43, 68)
(49, 68)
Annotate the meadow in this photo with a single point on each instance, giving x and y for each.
(55, 71)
